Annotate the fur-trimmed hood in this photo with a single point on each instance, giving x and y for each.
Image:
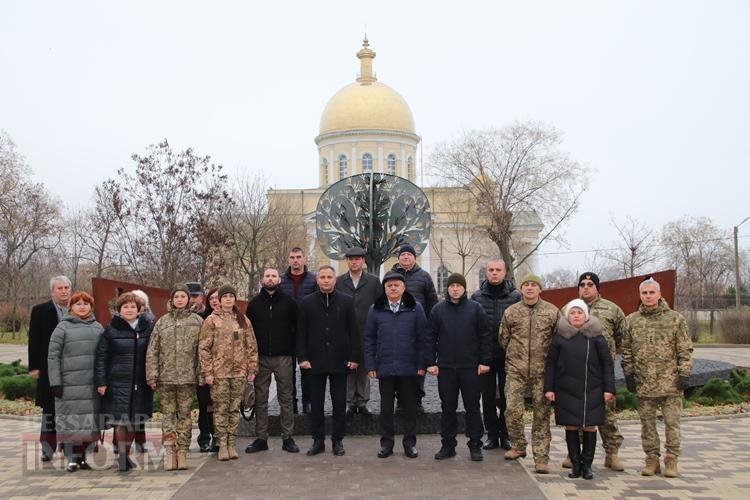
(591, 328)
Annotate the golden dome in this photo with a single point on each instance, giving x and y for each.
(366, 104)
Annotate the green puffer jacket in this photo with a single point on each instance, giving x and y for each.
(657, 350)
(172, 356)
(525, 334)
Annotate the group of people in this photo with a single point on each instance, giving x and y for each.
(497, 347)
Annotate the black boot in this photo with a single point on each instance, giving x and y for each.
(587, 455)
(574, 452)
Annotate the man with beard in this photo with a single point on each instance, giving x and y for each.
(273, 315)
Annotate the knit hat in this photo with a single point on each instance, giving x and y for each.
(225, 289)
(407, 248)
(533, 278)
(457, 278)
(576, 304)
(393, 275)
(589, 276)
(179, 287)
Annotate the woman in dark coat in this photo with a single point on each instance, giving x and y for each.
(72, 351)
(121, 374)
(579, 378)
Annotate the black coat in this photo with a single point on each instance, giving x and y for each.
(121, 366)
(274, 320)
(495, 299)
(419, 284)
(308, 285)
(41, 325)
(327, 332)
(579, 371)
(458, 335)
(395, 342)
(367, 292)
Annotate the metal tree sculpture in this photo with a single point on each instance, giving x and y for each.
(377, 212)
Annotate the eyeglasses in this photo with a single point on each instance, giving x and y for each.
(586, 285)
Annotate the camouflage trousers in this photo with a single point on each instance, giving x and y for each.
(227, 393)
(176, 425)
(670, 407)
(515, 389)
(611, 437)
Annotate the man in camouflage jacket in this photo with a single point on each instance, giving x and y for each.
(525, 333)
(656, 360)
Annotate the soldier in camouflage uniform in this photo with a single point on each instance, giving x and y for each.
(613, 323)
(656, 360)
(172, 371)
(229, 359)
(525, 333)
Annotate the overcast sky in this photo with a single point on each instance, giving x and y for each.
(654, 96)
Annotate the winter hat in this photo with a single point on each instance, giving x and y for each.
(577, 304)
(457, 278)
(589, 276)
(355, 252)
(407, 248)
(533, 278)
(393, 275)
(225, 289)
(179, 287)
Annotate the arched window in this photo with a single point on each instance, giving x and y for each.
(324, 169)
(442, 279)
(342, 166)
(366, 163)
(392, 164)
(410, 168)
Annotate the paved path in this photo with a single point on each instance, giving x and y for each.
(12, 352)
(738, 356)
(715, 464)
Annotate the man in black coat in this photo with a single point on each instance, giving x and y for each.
(495, 295)
(44, 320)
(328, 347)
(365, 289)
(459, 351)
(420, 285)
(298, 282)
(273, 315)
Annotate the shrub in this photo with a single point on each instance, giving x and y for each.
(13, 321)
(716, 392)
(14, 368)
(626, 400)
(734, 326)
(19, 386)
(740, 380)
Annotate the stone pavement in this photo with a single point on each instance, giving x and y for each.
(12, 352)
(738, 356)
(715, 464)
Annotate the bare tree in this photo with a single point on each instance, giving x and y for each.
(560, 278)
(637, 248)
(462, 235)
(513, 170)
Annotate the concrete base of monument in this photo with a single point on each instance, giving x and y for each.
(429, 422)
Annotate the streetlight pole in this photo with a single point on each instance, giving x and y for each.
(736, 228)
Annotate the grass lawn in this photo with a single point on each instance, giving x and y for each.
(20, 338)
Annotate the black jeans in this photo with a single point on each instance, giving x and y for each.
(490, 383)
(317, 393)
(205, 417)
(406, 386)
(450, 382)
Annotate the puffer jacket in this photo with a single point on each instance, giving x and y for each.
(419, 284)
(395, 342)
(226, 349)
(121, 366)
(172, 356)
(495, 299)
(657, 350)
(525, 334)
(71, 357)
(308, 285)
(579, 371)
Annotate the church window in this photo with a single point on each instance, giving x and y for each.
(342, 166)
(392, 164)
(442, 279)
(366, 163)
(324, 169)
(410, 168)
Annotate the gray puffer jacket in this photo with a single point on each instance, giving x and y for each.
(70, 359)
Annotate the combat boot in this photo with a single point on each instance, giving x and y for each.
(170, 461)
(567, 463)
(181, 459)
(541, 467)
(223, 451)
(612, 461)
(670, 465)
(232, 451)
(514, 454)
(652, 466)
